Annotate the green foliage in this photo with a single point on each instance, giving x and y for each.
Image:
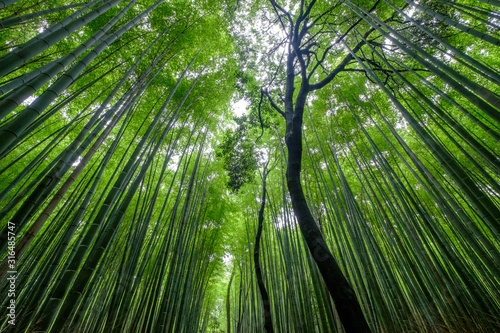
(239, 155)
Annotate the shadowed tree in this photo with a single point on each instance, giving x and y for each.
(313, 37)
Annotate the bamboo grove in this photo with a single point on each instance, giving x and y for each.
(367, 164)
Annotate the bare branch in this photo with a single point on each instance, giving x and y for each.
(260, 117)
(277, 8)
(355, 24)
(276, 107)
(340, 67)
(309, 8)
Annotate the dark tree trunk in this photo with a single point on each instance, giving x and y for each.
(343, 295)
(268, 323)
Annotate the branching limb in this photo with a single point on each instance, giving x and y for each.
(355, 24)
(327, 50)
(260, 116)
(277, 8)
(274, 105)
(340, 67)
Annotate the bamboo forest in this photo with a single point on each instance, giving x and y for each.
(245, 166)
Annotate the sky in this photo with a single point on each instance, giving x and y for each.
(240, 108)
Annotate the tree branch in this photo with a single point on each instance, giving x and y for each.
(277, 8)
(340, 67)
(274, 105)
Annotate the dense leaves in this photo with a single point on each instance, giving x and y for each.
(239, 155)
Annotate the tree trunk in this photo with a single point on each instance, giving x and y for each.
(268, 323)
(343, 295)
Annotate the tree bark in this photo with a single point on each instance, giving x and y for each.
(268, 323)
(343, 295)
